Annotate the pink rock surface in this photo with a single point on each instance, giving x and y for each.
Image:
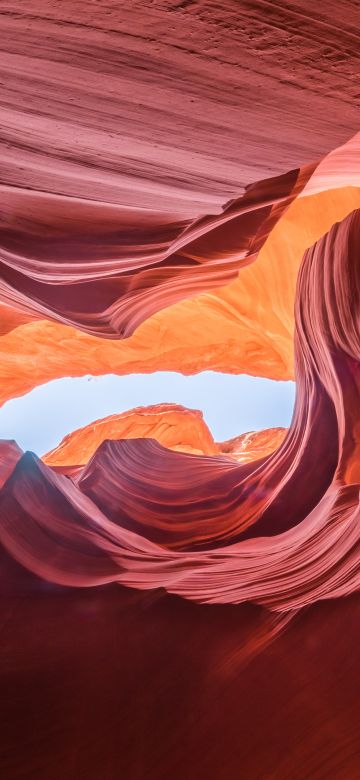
(165, 167)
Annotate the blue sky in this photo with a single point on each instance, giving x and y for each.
(231, 404)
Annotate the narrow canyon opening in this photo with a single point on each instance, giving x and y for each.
(231, 404)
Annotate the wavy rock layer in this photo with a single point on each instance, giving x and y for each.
(175, 103)
(208, 528)
(104, 204)
(246, 327)
(146, 224)
(101, 282)
(173, 426)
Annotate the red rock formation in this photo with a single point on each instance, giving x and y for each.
(136, 510)
(171, 103)
(10, 454)
(253, 445)
(106, 197)
(110, 281)
(247, 326)
(173, 426)
(143, 154)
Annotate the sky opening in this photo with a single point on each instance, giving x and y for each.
(231, 404)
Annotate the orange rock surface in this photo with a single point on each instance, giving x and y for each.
(253, 445)
(245, 327)
(172, 426)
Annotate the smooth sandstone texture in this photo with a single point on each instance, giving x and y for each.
(173, 426)
(83, 255)
(172, 106)
(130, 240)
(101, 202)
(253, 445)
(246, 327)
(208, 528)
